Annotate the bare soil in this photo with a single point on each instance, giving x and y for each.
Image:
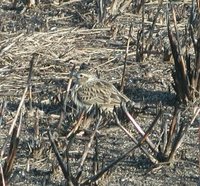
(68, 34)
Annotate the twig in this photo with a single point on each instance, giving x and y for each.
(60, 161)
(178, 139)
(153, 160)
(3, 107)
(20, 105)
(96, 157)
(79, 122)
(149, 47)
(100, 174)
(9, 163)
(36, 125)
(33, 60)
(196, 113)
(69, 175)
(105, 169)
(87, 150)
(125, 61)
(63, 110)
(2, 180)
(138, 128)
(68, 88)
(172, 130)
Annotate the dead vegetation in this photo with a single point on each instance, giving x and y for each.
(127, 42)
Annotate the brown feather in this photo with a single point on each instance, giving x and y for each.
(90, 90)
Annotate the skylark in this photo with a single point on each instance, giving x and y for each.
(90, 90)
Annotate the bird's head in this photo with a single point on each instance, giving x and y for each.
(83, 77)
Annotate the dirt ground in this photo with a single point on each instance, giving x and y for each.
(70, 34)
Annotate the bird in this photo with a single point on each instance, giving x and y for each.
(89, 90)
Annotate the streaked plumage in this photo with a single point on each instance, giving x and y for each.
(89, 90)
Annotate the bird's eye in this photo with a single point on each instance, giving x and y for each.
(80, 75)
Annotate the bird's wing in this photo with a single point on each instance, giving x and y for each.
(92, 93)
(101, 93)
(116, 95)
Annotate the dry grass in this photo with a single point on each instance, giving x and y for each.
(70, 34)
